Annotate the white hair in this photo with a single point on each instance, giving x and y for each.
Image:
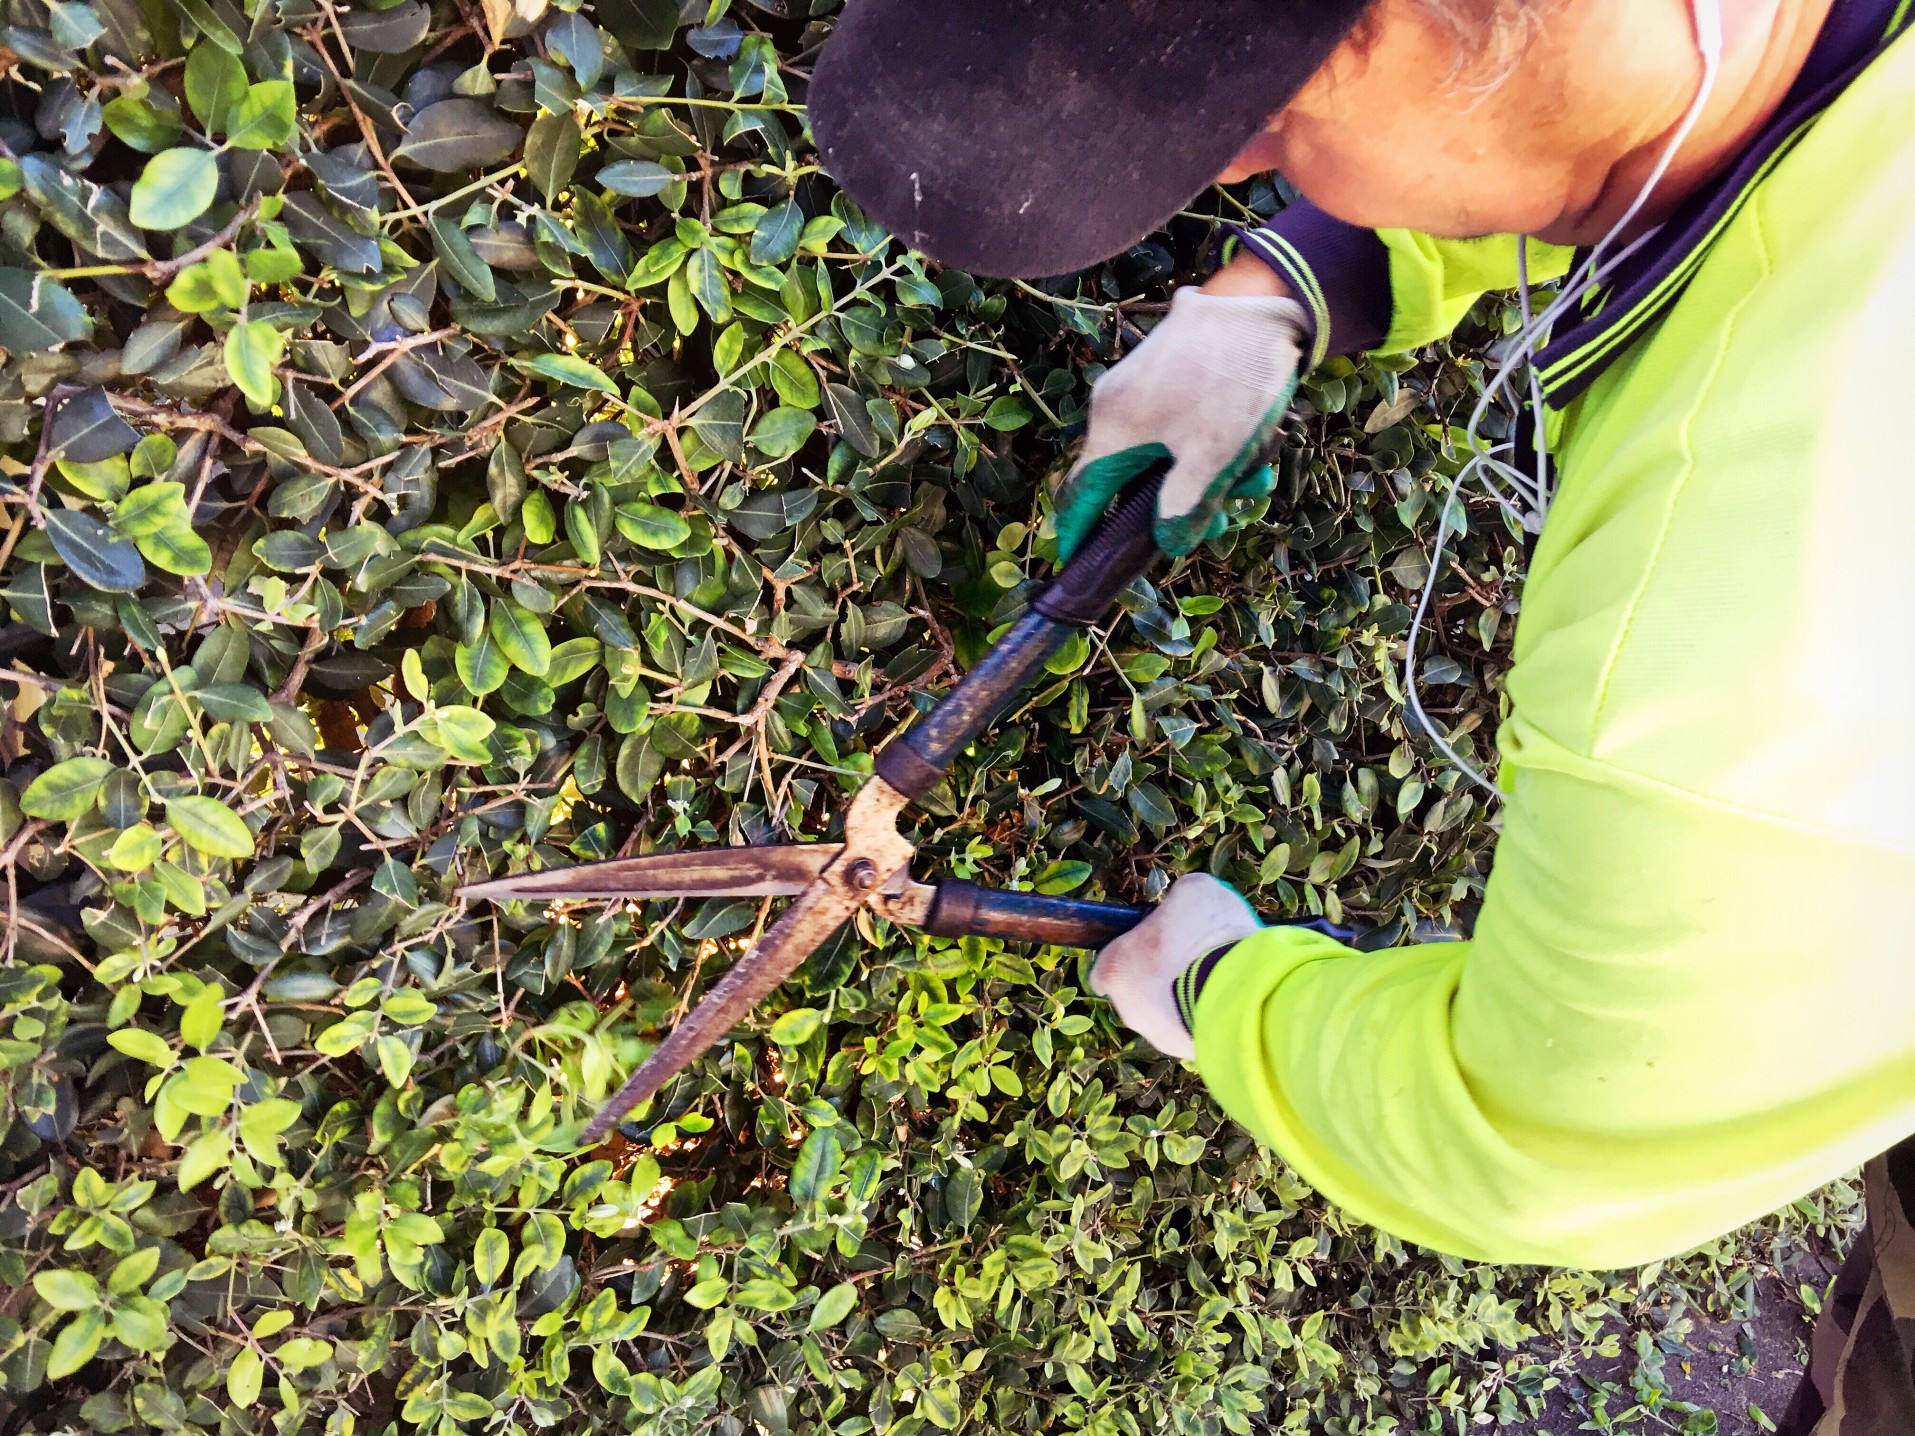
(1490, 36)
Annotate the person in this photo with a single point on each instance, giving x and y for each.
(1690, 994)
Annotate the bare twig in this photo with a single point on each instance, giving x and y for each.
(162, 271)
(392, 349)
(164, 418)
(315, 640)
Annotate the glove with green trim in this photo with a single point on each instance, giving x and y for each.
(1207, 388)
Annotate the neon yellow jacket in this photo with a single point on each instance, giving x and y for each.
(1690, 997)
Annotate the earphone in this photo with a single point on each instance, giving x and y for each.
(1526, 496)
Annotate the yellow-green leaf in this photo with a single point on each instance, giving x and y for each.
(174, 189)
(569, 369)
(253, 347)
(66, 790)
(76, 1343)
(210, 827)
(245, 1377)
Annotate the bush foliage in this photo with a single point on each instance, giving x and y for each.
(443, 438)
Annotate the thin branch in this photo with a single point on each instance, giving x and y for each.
(392, 348)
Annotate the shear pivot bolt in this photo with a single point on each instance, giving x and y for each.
(862, 874)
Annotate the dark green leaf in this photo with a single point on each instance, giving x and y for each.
(86, 429)
(640, 179)
(460, 259)
(458, 134)
(818, 1164)
(775, 239)
(94, 552)
(551, 153)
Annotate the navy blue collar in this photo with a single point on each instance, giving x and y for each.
(1854, 35)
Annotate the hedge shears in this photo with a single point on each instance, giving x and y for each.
(870, 868)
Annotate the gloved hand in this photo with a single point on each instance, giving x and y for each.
(1207, 388)
(1140, 971)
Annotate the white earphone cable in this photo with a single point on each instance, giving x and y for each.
(1526, 497)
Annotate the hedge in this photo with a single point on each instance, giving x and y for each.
(439, 439)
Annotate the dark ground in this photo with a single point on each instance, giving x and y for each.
(1731, 1367)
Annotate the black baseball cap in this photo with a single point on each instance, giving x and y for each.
(1035, 137)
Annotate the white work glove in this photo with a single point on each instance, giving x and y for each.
(1207, 388)
(1139, 972)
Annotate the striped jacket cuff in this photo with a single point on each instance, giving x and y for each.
(1186, 986)
(1339, 272)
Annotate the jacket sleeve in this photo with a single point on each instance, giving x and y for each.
(1388, 290)
(1619, 1067)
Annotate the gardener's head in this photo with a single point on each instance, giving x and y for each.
(1030, 137)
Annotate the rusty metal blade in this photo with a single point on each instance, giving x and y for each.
(770, 870)
(818, 912)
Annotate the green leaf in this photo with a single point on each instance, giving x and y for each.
(1062, 877)
(215, 83)
(301, 1353)
(819, 1161)
(783, 432)
(210, 827)
(640, 179)
(481, 665)
(410, 1007)
(705, 281)
(569, 369)
(66, 790)
(67, 1290)
(217, 281)
(96, 554)
(1008, 412)
(775, 239)
(552, 149)
(348, 1034)
(204, 1155)
(38, 313)
(156, 518)
(134, 1272)
(204, 1015)
(174, 189)
(143, 1046)
(461, 260)
(86, 429)
(489, 1255)
(833, 1307)
(76, 1343)
(457, 134)
(793, 380)
(234, 703)
(142, 125)
(109, 479)
(764, 1294)
(265, 119)
(796, 1027)
(652, 525)
(205, 1085)
(253, 347)
(521, 638)
(537, 518)
(245, 1378)
(963, 1195)
(394, 1056)
(464, 733)
(708, 1293)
